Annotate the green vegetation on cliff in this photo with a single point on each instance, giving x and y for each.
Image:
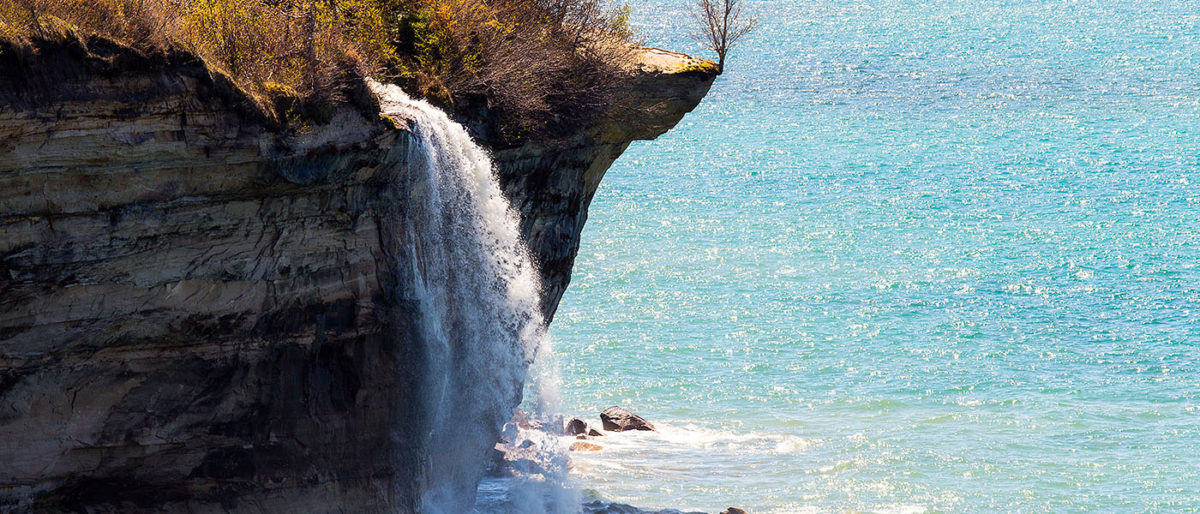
(535, 64)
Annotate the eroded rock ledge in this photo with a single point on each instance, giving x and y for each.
(199, 312)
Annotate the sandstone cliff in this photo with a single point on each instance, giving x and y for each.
(200, 311)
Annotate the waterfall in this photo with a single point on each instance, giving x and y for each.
(478, 295)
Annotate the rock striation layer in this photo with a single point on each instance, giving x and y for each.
(200, 311)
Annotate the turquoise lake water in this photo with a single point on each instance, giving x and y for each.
(906, 256)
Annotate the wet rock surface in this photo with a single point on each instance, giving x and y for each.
(617, 419)
(576, 427)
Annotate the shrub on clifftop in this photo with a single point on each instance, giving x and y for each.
(536, 63)
(304, 47)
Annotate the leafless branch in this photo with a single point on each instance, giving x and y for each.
(720, 24)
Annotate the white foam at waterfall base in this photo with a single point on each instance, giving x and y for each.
(480, 315)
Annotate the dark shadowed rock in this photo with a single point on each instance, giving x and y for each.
(616, 419)
(576, 427)
(733, 510)
(594, 433)
(497, 460)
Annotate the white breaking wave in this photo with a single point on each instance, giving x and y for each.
(478, 294)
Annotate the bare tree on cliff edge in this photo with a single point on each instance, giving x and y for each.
(721, 24)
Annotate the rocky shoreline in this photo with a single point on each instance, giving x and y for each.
(521, 451)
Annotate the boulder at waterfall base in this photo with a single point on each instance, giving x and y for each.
(617, 419)
(576, 427)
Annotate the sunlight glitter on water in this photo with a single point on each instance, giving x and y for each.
(952, 248)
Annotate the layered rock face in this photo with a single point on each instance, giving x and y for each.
(201, 312)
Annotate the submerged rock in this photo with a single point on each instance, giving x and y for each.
(617, 419)
(585, 447)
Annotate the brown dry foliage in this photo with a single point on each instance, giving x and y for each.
(270, 48)
(537, 63)
(141, 23)
(544, 66)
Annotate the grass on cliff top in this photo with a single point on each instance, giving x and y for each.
(535, 63)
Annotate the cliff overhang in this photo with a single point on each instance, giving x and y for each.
(198, 306)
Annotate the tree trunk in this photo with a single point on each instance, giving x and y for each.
(310, 68)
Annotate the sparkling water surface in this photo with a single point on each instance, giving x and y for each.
(905, 256)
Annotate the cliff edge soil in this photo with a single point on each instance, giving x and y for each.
(201, 311)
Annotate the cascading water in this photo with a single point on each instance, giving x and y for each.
(478, 296)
